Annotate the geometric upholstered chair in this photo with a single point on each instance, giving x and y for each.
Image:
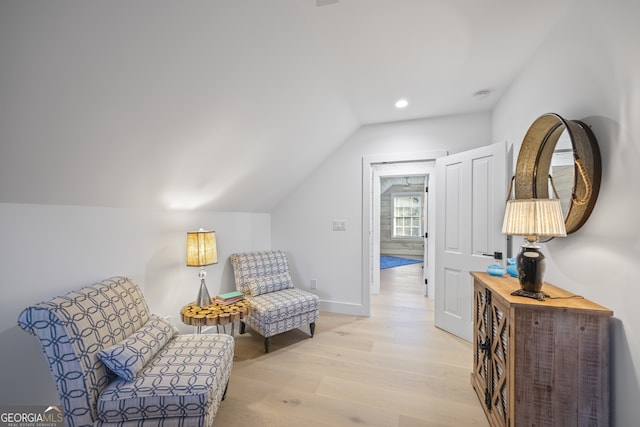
(276, 306)
(117, 365)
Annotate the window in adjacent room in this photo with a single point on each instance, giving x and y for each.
(407, 216)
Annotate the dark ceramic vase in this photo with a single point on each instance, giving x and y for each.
(531, 267)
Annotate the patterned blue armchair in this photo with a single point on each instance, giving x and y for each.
(276, 305)
(117, 365)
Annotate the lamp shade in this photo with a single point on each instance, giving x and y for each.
(201, 248)
(534, 217)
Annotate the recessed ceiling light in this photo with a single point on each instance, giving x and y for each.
(402, 103)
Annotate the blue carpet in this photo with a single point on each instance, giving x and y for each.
(394, 261)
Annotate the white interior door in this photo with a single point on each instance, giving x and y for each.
(470, 201)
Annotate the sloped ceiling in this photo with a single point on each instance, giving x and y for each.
(229, 104)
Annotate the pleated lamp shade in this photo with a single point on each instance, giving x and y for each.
(534, 217)
(201, 248)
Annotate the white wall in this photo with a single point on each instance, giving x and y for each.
(589, 69)
(49, 250)
(302, 223)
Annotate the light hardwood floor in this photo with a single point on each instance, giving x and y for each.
(391, 369)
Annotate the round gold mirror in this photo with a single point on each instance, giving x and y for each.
(560, 158)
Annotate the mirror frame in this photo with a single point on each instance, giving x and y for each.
(534, 164)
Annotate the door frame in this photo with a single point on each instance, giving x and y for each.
(368, 220)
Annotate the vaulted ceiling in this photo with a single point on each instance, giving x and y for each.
(229, 104)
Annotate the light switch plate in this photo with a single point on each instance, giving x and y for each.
(339, 225)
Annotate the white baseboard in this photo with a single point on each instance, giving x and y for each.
(343, 308)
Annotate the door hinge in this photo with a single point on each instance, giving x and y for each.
(426, 189)
(426, 282)
(426, 235)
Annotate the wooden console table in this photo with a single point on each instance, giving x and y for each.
(214, 314)
(542, 363)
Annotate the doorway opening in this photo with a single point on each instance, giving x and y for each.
(399, 164)
(414, 169)
(403, 224)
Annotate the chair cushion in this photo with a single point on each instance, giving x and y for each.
(275, 306)
(266, 284)
(185, 379)
(128, 357)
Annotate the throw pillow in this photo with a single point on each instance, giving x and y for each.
(265, 284)
(129, 356)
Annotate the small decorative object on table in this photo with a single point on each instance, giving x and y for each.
(495, 270)
(229, 298)
(512, 269)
